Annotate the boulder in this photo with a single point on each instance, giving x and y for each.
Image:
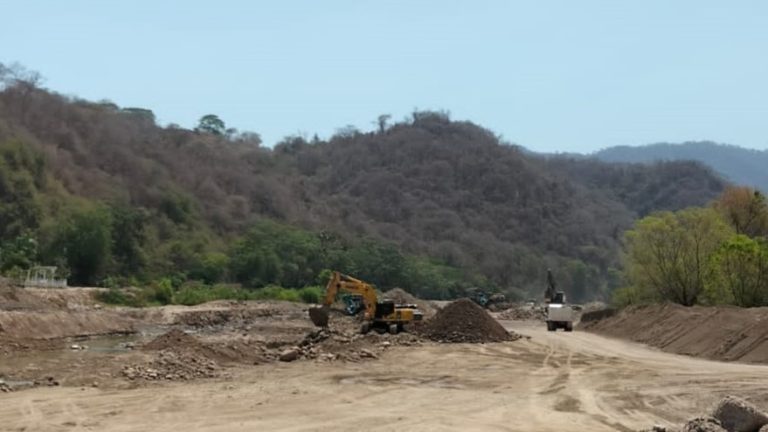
(289, 355)
(737, 415)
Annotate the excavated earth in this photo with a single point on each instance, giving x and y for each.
(242, 366)
(721, 333)
(464, 321)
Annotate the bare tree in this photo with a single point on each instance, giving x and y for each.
(382, 122)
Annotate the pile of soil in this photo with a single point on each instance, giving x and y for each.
(174, 339)
(523, 313)
(723, 333)
(463, 321)
(400, 296)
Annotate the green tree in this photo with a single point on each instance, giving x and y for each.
(212, 124)
(19, 253)
(85, 242)
(669, 253)
(742, 269)
(22, 173)
(127, 232)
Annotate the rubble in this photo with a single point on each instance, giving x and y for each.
(523, 313)
(703, 424)
(173, 366)
(730, 415)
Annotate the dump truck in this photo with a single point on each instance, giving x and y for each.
(559, 314)
(384, 315)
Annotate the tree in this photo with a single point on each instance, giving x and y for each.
(212, 124)
(742, 270)
(669, 253)
(745, 209)
(128, 239)
(85, 241)
(382, 122)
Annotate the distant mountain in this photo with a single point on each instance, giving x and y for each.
(737, 164)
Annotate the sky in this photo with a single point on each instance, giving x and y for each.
(552, 76)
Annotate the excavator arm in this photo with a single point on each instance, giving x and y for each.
(343, 283)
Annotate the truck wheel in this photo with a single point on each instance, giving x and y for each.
(551, 326)
(393, 329)
(569, 327)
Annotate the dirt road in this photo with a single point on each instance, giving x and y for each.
(552, 382)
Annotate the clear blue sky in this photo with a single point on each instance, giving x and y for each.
(548, 75)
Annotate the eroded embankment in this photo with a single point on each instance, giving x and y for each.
(718, 333)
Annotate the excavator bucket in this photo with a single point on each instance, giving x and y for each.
(319, 316)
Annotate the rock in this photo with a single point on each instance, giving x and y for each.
(737, 415)
(74, 347)
(703, 424)
(386, 343)
(764, 428)
(364, 353)
(289, 355)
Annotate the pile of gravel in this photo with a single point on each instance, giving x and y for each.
(463, 321)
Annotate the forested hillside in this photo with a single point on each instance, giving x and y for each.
(739, 165)
(429, 204)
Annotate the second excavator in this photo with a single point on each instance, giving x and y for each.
(383, 315)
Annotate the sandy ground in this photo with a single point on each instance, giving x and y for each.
(552, 382)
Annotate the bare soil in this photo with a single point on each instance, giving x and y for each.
(200, 369)
(720, 333)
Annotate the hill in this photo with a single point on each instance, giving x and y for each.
(738, 165)
(429, 204)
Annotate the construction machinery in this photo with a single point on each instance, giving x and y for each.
(484, 299)
(559, 314)
(382, 316)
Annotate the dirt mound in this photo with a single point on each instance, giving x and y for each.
(174, 339)
(721, 333)
(401, 296)
(523, 313)
(465, 321)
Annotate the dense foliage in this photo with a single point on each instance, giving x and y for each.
(712, 255)
(427, 204)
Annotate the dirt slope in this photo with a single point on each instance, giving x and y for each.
(720, 333)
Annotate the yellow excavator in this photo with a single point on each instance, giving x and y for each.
(378, 315)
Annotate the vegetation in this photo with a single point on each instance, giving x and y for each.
(427, 204)
(700, 255)
(739, 165)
